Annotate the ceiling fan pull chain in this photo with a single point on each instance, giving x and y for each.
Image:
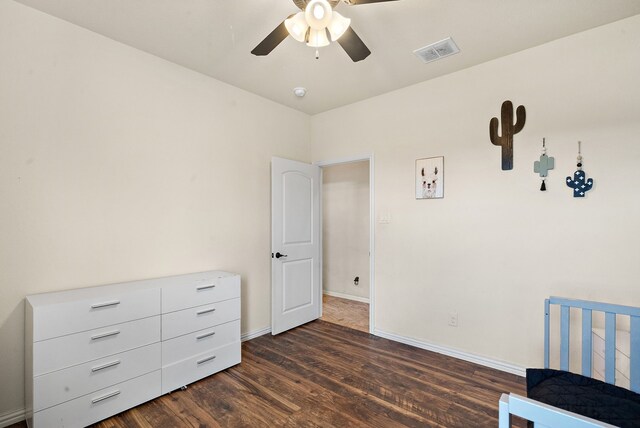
(317, 54)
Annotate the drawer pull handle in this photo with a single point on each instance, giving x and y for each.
(205, 311)
(205, 287)
(105, 366)
(104, 397)
(103, 335)
(206, 360)
(105, 304)
(203, 336)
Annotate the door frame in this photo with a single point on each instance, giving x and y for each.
(372, 282)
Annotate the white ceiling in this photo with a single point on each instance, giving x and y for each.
(215, 37)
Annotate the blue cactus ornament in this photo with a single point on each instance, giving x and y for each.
(579, 185)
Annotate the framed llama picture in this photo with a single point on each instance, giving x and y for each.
(430, 178)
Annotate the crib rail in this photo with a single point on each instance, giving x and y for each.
(611, 313)
(543, 415)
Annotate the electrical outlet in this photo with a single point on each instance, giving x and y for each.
(453, 319)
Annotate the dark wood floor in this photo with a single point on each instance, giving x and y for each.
(326, 375)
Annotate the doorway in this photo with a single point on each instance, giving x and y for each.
(347, 242)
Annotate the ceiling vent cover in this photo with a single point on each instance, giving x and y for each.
(437, 50)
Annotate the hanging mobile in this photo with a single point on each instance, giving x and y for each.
(543, 166)
(578, 183)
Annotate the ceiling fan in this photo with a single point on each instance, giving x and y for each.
(317, 26)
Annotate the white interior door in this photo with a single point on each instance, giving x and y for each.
(296, 292)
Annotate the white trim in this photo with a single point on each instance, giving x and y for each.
(256, 333)
(321, 235)
(372, 228)
(372, 252)
(345, 160)
(13, 417)
(451, 352)
(345, 296)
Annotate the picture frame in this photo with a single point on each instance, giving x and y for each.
(430, 178)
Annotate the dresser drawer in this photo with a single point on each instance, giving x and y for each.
(64, 385)
(99, 405)
(200, 292)
(74, 316)
(62, 352)
(190, 320)
(180, 348)
(199, 366)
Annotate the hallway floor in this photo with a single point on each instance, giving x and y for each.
(344, 312)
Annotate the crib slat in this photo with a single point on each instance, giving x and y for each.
(610, 348)
(564, 337)
(546, 333)
(587, 338)
(635, 354)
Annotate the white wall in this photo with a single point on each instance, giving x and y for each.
(496, 246)
(345, 233)
(116, 165)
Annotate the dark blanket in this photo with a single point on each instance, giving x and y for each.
(585, 396)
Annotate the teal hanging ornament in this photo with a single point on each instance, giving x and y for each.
(543, 165)
(578, 183)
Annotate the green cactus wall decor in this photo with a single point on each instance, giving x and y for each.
(509, 129)
(543, 166)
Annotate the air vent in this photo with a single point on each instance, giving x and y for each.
(437, 50)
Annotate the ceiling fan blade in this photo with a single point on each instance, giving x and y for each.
(353, 45)
(271, 41)
(357, 2)
(302, 4)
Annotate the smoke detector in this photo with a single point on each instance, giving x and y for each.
(437, 50)
(300, 91)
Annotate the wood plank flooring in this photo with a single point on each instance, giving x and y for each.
(348, 313)
(325, 375)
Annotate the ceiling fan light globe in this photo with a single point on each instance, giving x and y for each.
(338, 25)
(318, 14)
(297, 26)
(318, 38)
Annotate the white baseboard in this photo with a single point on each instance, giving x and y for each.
(256, 333)
(11, 418)
(461, 355)
(345, 296)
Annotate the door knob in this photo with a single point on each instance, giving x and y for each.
(278, 255)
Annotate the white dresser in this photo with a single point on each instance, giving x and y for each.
(94, 352)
